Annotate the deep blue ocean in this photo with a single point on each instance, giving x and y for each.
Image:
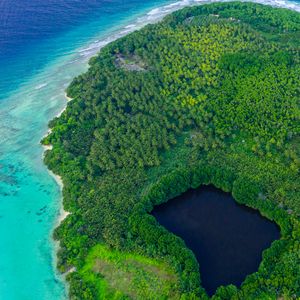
(43, 45)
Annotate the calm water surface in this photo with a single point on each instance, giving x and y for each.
(226, 238)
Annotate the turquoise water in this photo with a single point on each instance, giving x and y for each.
(30, 198)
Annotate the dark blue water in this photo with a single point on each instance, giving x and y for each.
(29, 31)
(226, 238)
(43, 45)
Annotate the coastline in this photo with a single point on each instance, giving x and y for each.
(62, 212)
(61, 112)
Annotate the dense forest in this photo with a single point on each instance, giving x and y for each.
(210, 95)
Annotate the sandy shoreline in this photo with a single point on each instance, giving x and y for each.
(62, 213)
(61, 112)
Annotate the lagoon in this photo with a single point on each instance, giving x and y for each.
(227, 238)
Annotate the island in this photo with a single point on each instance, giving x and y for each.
(207, 97)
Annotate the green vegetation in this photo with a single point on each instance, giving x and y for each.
(118, 273)
(217, 102)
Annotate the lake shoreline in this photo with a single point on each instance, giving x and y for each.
(226, 239)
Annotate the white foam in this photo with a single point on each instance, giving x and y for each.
(159, 13)
(130, 26)
(40, 86)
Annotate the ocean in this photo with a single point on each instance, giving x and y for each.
(43, 45)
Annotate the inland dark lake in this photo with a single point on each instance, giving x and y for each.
(227, 238)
